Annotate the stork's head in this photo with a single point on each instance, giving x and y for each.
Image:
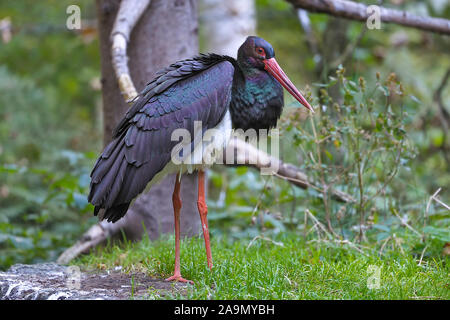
(257, 53)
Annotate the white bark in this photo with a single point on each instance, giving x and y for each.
(227, 24)
(357, 11)
(129, 13)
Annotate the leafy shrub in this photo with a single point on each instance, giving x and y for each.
(40, 208)
(356, 143)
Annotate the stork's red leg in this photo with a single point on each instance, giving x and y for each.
(176, 210)
(203, 211)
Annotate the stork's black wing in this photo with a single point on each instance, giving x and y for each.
(197, 89)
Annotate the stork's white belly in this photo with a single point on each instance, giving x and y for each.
(209, 147)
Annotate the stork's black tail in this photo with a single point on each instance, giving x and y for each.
(107, 179)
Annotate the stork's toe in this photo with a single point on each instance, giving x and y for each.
(179, 278)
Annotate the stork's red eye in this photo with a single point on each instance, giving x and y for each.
(260, 51)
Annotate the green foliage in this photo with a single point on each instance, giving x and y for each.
(41, 208)
(356, 146)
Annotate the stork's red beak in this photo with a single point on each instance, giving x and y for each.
(272, 66)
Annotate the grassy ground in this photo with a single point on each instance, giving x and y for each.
(287, 268)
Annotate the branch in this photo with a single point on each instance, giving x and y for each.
(90, 239)
(129, 13)
(357, 11)
(248, 155)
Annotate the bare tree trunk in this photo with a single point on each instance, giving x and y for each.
(227, 24)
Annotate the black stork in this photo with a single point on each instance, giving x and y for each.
(219, 91)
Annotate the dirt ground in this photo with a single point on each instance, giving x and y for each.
(129, 286)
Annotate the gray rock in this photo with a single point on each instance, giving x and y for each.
(51, 281)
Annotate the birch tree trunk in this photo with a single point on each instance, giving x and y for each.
(226, 24)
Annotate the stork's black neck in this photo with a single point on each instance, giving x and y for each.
(257, 98)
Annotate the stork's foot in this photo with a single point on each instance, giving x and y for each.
(179, 278)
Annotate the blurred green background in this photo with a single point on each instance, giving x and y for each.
(51, 132)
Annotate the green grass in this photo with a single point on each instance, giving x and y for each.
(269, 270)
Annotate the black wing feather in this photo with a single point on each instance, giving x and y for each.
(186, 91)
